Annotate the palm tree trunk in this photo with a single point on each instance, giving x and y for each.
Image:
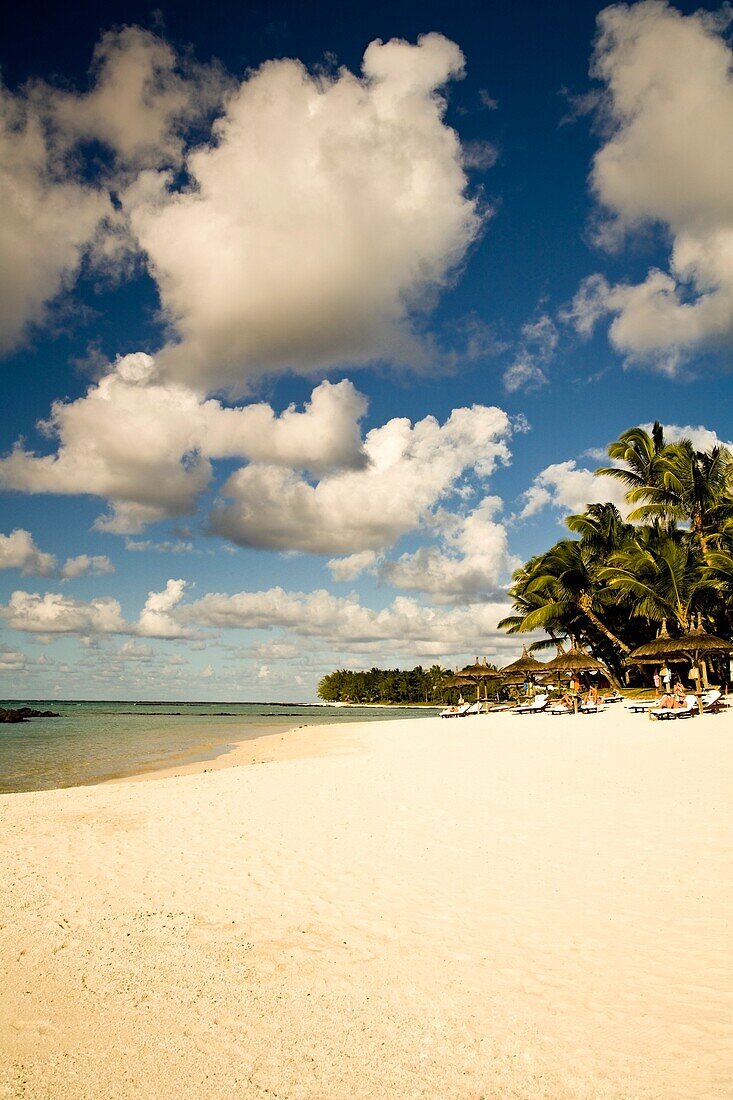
(585, 606)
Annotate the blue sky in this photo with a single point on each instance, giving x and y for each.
(313, 329)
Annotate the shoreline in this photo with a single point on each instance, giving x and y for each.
(289, 743)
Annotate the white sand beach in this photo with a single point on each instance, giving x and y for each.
(490, 907)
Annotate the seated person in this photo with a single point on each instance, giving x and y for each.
(674, 700)
(592, 698)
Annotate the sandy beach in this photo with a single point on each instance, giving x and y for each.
(493, 907)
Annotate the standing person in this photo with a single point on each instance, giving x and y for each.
(657, 682)
(666, 679)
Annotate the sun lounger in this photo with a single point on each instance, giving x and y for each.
(540, 703)
(689, 710)
(455, 712)
(614, 697)
(558, 708)
(643, 706)
(713, 701)
(475, 708)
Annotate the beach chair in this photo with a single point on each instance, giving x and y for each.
(539, 703)
(614, 697)
(688, 710)
(475, 708)
(455, 712)
(559, 708)
(713, 701)
(643, 706)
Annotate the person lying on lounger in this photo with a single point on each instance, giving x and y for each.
(674, 700)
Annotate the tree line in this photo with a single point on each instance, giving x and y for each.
(670, 559)
(391, 685)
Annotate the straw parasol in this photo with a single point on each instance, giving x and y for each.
(575, 660)
(478, 672)
(526, 664)
(458, 681)
(692, 646)
(657, 650)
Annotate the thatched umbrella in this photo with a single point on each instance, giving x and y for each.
(526, 664)
(459, 681)
(526, 667)
(478, 673)
(692, 646)
(575, 660)
(657, 650)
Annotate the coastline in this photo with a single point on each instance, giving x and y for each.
(490, 906)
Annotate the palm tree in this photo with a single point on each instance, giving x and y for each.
(660, 576)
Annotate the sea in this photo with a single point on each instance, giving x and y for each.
(95, 741)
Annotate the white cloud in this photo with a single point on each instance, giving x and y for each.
(325, 211)
(87, 565)
(156, 620)
(668, 108)
(136, 651)
(57, 614)
(19, 551)
(702, 438)
(48, 219)
(12, 660)
(147, 446)
(536, 349)
(410, 470)
(141, 98)
(471, 568)
(346, 624)
(563, 485)
(352, 566)
(54, 213)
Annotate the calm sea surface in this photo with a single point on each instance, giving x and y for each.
(94, 741)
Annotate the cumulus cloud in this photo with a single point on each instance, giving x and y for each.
(57, 614)
(87, 565)
(19, 551)
(56, 207)
(565, 486)
(324, 212)
(141, 99)
(146, 446)
(668, 159)
(471, 566)
(352, 566)
(48, 218)
(156, 620)
(346, 623)
(410, 470)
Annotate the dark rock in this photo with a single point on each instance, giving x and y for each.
(21, 714)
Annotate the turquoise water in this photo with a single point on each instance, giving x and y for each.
(94, 741)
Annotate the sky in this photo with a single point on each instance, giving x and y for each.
(315, 324)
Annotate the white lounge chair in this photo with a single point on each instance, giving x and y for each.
(455, 712)
(539, 703)
(614, 697)
(688, 710)
(712, 701)
(560, 708)
(475, 708)
(643, 706)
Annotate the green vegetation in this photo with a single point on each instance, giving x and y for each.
(671, 560)
(392, 685)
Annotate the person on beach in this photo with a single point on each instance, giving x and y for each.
(674, 700)
(666, 677)
(657, 684)
(592, 699)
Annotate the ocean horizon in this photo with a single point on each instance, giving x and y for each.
(95, 740)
